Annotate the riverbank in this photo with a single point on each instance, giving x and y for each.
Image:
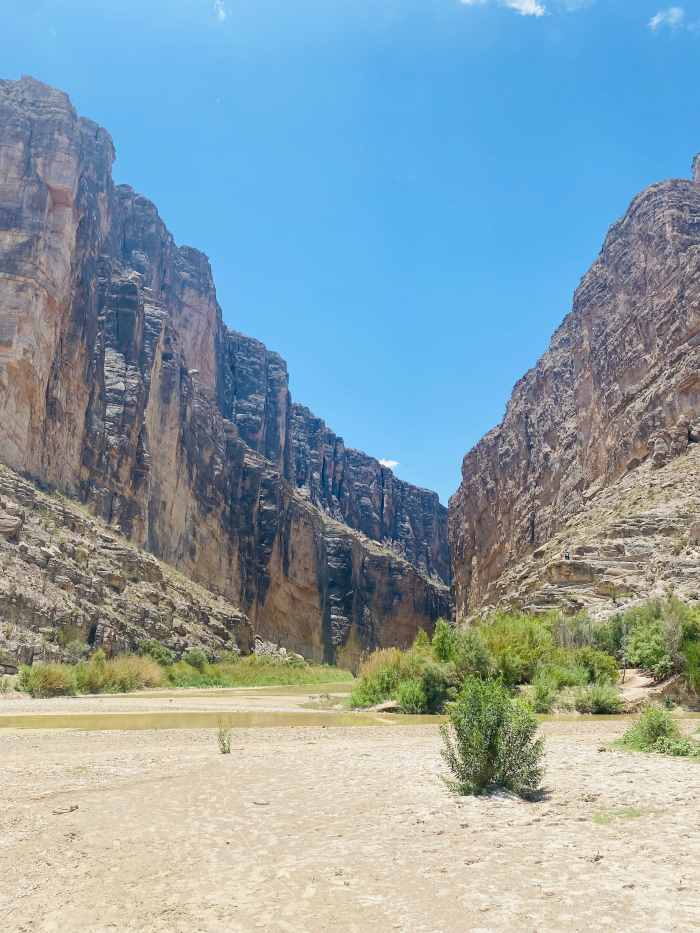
(328, 828)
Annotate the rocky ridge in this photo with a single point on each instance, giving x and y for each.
(120, 385)
(587, 493)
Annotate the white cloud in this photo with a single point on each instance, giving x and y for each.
(673, 17)
(526, 7)
(220, 11)
(523, 7)
(389, 464)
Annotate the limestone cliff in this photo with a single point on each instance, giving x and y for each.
(588, 492)
(120, 385)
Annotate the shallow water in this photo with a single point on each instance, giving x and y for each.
(98, 722)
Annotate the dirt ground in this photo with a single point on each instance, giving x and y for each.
(334, 829)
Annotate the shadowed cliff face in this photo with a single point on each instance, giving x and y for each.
(617, 395)
(119, 383)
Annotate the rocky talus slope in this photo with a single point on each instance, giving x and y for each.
(65, 577)
(587, 495)
(121, 386)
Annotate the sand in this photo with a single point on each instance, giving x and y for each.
(313, 828)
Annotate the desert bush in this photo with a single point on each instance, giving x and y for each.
(653, 724)
(411, 697)
(380, 675)
(690, 650)
(196, 658)
(443, 640)
(223, 738)
(598, 698)
(518, 644)
(47, 680)
(543, 694)
(599, 665)
(490, 741)
(470, 654)
(154, 649)
(5, 684)
(678, 748)
(421, 641)
(76, 650)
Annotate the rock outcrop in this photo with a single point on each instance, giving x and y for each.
(120, 386)
(588, 492)
(68, 580)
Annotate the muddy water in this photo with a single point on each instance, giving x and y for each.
(98, 722)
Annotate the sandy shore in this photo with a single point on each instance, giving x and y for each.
(336, 829)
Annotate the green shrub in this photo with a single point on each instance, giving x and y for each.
(543, 694)
(421, 641)
(196, 658)
(443, 640)
(518, 644)
(653, 724)
(490, 741)
(470, 654)
(411, 697)
(438, 682)
(601, 668)
(380, 675)
(5, 684)
(560, 675)
(47, 680)
(690, 650)
(154, 649)
(598, 698)
(678, 748)
(76, 650)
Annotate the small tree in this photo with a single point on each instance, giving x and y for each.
(490, 741)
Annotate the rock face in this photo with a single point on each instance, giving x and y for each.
(120, 385)
(588, 491)
(68, 578)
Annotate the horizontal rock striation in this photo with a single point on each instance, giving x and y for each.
(120, 385)
(616, 395)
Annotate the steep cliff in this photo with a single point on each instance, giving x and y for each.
(588, 491)
(120, 385)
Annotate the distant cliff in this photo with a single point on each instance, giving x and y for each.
(120, 385)
(588, 492)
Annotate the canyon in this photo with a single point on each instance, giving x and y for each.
(174, 442)
(122, 388)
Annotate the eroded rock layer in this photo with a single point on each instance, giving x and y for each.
(561, 503)
(120, 385)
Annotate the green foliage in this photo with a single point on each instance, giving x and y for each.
(653, 725)
(490, 741)
(253, 671)
(76, 650)
(518, 644)
(443, 640)
(543, 694)
(47, 680)
(421, 641)
(690, 649)
(383, 673)
(410, 695)
(678, 748)
(598, 698)
(196, 658)
(601, 668)
(470, 654)
(154, 649)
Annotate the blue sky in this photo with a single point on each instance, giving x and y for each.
(399, 196)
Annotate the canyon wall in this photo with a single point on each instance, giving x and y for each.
(121, 386)
(588, 492)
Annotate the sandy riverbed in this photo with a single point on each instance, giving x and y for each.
(333, 828)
